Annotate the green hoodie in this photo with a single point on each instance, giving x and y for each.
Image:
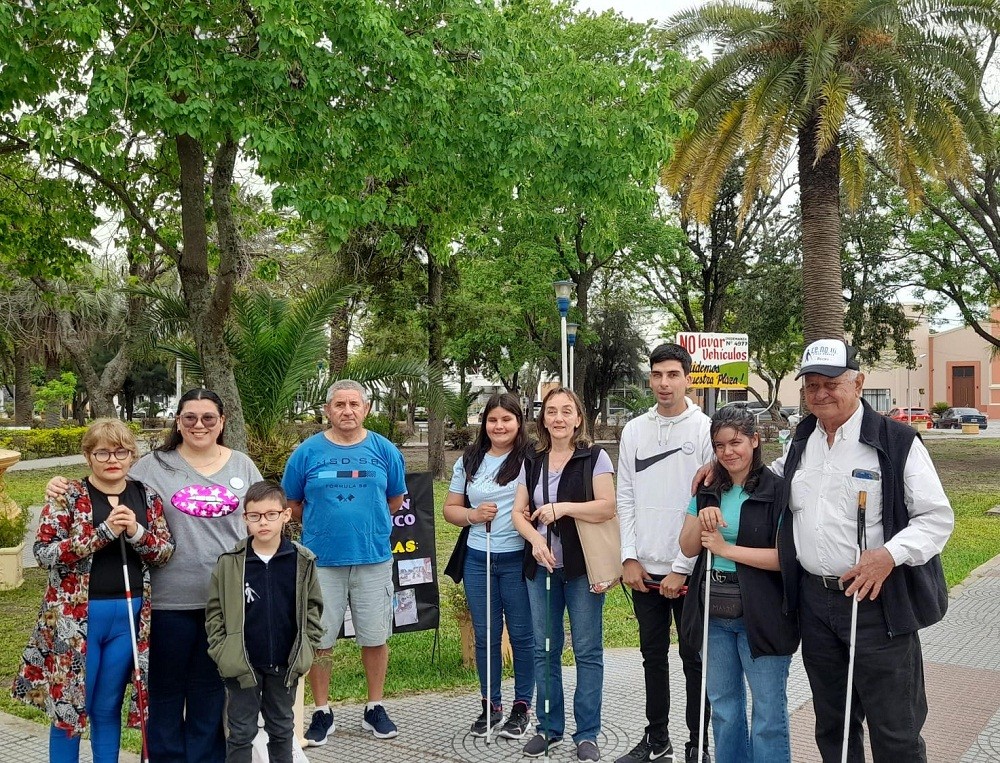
(224, 617)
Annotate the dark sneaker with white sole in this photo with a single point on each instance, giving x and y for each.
(587, 750)
(517, 722)
(479, 727)
(320, 728)
(377, 721)
(538, 745)
(649, 749)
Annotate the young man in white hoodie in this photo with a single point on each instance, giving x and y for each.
(659, 454)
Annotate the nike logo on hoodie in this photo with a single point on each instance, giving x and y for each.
(644, 463)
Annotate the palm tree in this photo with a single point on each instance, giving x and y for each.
(830, 77)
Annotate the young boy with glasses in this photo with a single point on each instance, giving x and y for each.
(264, 623)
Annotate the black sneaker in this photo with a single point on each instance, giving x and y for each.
(537, 745)
(691, 754)
(320, 727)
(649, 749)
(517, 722)
(377, 721)
(479, 727)
(587, 751)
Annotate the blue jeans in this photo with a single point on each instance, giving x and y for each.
(729, 660)
(109, 664)
(509, 601)
(186, 694)
(586, 625)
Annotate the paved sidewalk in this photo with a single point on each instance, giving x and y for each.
(962, 663)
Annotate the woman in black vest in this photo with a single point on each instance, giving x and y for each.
(750, 633)
(552, 496)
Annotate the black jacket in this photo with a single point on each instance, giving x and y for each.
(772, 627)
(912, 597)
(270, 625)
(572, 487)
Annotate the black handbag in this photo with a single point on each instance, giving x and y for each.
(725, 601)
(456, 562)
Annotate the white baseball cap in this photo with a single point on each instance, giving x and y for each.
(829, 357)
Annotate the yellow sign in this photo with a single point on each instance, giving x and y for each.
(721, 361)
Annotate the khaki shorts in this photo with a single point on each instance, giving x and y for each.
(368, 589)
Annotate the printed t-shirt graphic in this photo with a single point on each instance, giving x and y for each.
(205, 500)
(345, 517)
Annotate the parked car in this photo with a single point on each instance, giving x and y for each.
(953, 418)
(911, 416)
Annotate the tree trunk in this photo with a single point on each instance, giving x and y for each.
(24, 396)
(822, 283)
(435, 360)
(340, 333)
(208, 307)
(53, 411)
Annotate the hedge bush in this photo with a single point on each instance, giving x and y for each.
(48, 443)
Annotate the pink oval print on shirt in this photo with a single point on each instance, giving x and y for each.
(206, 500)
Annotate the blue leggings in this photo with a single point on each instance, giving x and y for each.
(109, 664)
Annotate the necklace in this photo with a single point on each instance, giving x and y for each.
(558, 461)
(206, 464)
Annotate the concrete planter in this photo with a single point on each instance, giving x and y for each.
(970, 428)
(11, 565)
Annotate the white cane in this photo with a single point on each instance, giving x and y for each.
(489, 642)
(704, 653)
(862, 541)
(136, 670)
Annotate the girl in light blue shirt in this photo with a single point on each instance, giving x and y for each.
(480, 500)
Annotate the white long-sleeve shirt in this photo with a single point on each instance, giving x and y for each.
(657, 459)
(824, 502)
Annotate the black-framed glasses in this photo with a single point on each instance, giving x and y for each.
(120, 454)
(270, 516)
(191, 419)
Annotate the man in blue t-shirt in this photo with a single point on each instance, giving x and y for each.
(344, 484)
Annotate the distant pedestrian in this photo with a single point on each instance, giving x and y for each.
(264, 622)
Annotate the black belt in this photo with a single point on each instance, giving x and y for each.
(724, 577)
(829, 582)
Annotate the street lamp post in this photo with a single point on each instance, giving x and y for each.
(571, 329)
(563, 290)
(909, 410)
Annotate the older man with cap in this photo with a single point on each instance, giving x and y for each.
(842, 455)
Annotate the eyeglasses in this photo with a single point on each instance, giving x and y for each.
(191, 419)
(120, 454)
(270, 516)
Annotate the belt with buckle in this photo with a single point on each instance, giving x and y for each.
(724, 577)
(830, 582)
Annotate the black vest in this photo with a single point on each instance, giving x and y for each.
(913, 596)
(772, 628)
(572, 487)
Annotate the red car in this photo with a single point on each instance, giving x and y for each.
(911, 416)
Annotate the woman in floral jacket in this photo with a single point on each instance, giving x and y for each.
(79, 657)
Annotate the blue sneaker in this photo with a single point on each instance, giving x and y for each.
(320, 727)
(377, 721)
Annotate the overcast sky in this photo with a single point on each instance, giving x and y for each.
(641, 10)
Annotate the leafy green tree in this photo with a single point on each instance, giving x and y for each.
(827, 78)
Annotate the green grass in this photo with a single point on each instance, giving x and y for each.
(968, 472)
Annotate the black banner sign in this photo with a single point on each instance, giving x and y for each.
(416, 604)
